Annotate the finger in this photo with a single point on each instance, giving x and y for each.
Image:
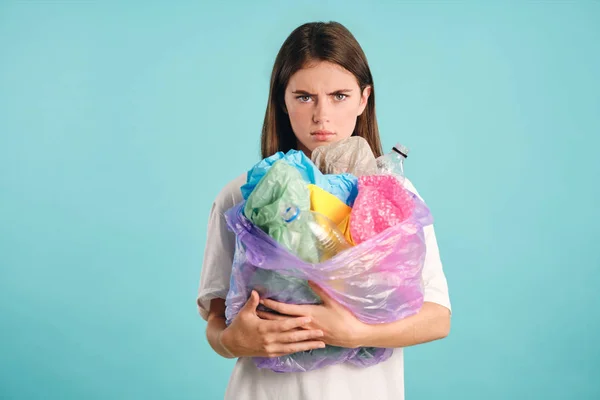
(270, 316)
(252, 302)
(299, 336)
(290, 348)
(289, 324)
(287, 309)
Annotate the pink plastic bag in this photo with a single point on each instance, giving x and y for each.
(382, 202)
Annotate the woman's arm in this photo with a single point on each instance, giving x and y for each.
(216, 326)
(342, 328)
(250, 336)
(431, 323)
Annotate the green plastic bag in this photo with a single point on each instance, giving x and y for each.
(281, 187)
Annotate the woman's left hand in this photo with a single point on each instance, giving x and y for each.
(340, 327)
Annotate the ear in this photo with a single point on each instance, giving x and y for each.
(364, 99)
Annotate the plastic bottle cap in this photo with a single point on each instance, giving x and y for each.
(291, 213)
(401, 149)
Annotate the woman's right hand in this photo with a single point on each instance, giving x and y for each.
(250, 336)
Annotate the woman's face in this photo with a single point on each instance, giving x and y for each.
(323, 102)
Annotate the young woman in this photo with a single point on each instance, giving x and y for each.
(321, 92)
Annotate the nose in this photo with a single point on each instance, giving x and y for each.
(321, 112)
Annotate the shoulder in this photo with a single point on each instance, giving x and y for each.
(230, 194)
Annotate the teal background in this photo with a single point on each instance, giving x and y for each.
(119, 123)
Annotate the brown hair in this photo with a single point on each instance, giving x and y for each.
(316, 41)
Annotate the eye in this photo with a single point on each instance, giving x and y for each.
(303, 99)
(340, 96)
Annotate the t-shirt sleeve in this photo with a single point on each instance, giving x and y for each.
(434, 280)
(218, 260)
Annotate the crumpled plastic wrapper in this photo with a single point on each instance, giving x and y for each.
(352, 155)
(281, 187)
(342, 186)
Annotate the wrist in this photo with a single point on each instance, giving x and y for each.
(228, 353)
(362, 335)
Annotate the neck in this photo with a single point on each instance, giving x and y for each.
(304, 149)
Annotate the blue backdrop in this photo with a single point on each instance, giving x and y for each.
(119, 124)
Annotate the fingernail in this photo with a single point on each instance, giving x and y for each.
(322, 345)
(307, 320)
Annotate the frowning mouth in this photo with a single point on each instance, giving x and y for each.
(322, 132)
(322, 135)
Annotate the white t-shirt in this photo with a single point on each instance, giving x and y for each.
(344, 381)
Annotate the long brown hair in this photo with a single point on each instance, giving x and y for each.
(316, 41)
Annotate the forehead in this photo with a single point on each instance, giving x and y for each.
(322, 76)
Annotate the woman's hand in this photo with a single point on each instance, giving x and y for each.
(340, 327)
(250, 336)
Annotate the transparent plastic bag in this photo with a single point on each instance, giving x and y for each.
(378, 280)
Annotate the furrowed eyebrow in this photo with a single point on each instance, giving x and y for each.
(342, 91)
(305, 93)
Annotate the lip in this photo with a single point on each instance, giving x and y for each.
(322, 132)
(322, 135)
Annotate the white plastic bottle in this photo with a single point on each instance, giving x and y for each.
(393, 162)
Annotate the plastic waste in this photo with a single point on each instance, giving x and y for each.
(327, 237)
(382, 202)
(392, 163)
(378, 280)
(342, 186)
(352, 155)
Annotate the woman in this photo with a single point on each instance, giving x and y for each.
(321, 92)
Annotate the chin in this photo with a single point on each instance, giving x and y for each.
(313, 144)
(319, 144)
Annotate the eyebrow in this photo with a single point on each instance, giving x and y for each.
(304, 92)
